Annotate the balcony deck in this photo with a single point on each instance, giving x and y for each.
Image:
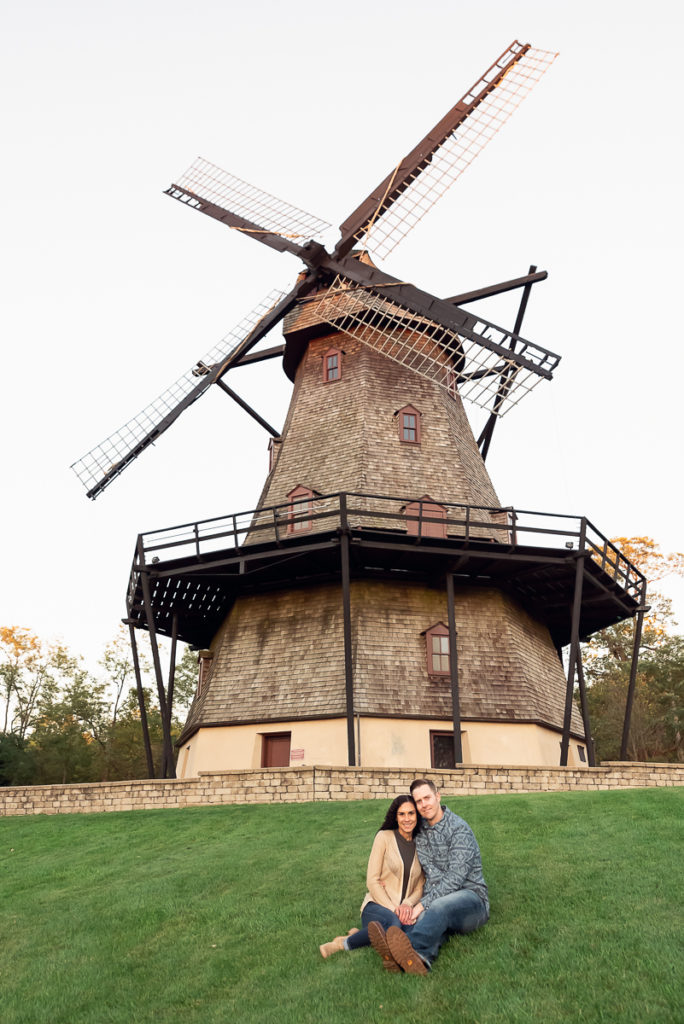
(197, 570)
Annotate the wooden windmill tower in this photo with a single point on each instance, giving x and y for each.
(379, 606)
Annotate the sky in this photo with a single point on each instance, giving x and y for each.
(110, 290)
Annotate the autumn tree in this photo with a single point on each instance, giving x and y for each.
(656, 711)
(23, 674)
(60, 722)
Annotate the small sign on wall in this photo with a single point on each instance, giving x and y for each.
(297, 754)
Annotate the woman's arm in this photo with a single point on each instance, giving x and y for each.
(376, 863)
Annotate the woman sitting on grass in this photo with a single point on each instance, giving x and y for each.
(394, 878)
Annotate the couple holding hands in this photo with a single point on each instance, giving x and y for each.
(425, 884)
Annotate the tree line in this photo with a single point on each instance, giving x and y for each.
(61, 722)
(657, 719)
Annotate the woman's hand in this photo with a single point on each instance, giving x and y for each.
(405, 913)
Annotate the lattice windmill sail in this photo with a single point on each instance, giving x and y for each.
(435, 164)
(489, 365)
(100, 466)
(481, 352)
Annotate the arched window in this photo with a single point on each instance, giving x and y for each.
(332, 365)
(301, 505)
(409, 425)
(425, 518)
(437, 650)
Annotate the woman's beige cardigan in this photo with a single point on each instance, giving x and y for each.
(385, 874)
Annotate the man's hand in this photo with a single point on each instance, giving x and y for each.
(416, 912)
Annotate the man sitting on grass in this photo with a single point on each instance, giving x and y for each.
(455, 897)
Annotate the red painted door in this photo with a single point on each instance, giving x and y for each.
(275, 751)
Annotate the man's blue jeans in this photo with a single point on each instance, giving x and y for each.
(459, 912)
(372, 912)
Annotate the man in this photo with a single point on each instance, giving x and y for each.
(455, 898)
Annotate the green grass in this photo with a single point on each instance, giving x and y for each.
(215, 915)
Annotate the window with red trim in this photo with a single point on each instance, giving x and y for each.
(332, 365)
(299, 514)
(409, 425)
(437, 648)
(426, 518)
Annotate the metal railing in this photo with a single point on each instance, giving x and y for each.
(422, 519)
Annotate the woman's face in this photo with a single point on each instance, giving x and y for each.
(406, 817)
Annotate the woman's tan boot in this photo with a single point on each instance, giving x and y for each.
(337, 944)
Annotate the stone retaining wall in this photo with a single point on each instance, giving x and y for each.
(291, 785)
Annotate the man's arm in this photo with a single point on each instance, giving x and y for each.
(460, 858)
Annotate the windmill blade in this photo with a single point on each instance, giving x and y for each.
(100, 466)
(431, 168)
(469, 359)
(507, 378)
(219, 194)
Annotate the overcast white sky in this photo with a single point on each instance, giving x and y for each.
(111, 290)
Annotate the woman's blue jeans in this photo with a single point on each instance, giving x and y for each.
(372, 912)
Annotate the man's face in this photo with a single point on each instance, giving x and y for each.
(428, 803)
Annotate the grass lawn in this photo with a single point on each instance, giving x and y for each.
(211, 915)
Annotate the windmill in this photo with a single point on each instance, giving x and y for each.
(326, 619)
(497, 367)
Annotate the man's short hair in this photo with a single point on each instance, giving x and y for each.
(417, 783)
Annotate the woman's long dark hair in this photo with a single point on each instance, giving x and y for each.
(390, 822)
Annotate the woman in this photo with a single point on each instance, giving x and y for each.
(394, 878)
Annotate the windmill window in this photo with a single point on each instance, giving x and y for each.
(299, 513)
(332, 365)
(409, 425)
(437, 649)
(204, 659)
(273, 449)
(425, 518)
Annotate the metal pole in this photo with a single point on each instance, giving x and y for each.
(347, 629)
(585, 711)
(574, 644)
(172, 667)
(243, 405)
(453, 670)
(168, 770)
(638, 627)
(485, 437)
(141, 703)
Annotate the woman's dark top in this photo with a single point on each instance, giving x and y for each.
(407, 849)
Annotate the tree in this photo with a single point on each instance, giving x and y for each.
(656, 711)
(62, 723)
(16, 765)
(21, 672)
(185, 682)
(71, 721)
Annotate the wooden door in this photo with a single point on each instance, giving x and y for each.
(275, 750)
